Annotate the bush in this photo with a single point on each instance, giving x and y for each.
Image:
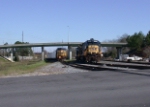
(16, 58)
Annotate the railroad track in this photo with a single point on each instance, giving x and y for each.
(132, 62)
(94, 67)
(129, 69)
(125, 65)
(107, 66)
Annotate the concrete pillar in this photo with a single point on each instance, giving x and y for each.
(119, 52)
(42, 48)
(11, 54)
(69, 53)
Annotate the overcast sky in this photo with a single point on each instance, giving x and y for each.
(55, 20)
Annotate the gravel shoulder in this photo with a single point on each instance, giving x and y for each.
(51, 69)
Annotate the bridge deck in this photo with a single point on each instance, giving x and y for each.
(73, 44)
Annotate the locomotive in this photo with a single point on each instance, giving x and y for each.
(89, 51)
(61, 54)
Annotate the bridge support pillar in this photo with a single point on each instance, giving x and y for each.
(69, 53)
(11, 54)
(42, 48)
(119, 52)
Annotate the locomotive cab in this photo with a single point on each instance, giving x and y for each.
(93, 46)
(93, 51)
(89, 51)
(61, 54)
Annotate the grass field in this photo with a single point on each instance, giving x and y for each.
(16, 68)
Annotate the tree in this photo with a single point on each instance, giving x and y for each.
(147, 39)
(7, 50)
(6, 43)
(123, 38)
(136, 41)
(112, 51)
(23, 51)
(146, 51)
(16, 58)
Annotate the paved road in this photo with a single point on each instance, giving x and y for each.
(87, 89)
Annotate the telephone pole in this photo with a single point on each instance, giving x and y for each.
(68, 33)
(22, 36)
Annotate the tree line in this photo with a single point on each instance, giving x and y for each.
(138, 44)
(24, 51)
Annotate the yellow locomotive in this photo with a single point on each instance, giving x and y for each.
(61, 54)
(89, 51)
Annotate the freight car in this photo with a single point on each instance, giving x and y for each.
(89, 51)
(61, 54)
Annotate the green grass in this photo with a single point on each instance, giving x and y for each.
(16, 68)
(3, 60)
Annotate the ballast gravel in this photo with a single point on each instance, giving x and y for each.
(51, 69)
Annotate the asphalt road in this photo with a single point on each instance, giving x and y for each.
(87, 89)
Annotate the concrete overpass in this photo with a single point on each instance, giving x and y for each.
(69, 44)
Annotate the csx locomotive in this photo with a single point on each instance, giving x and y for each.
(89, 51)
(61, 54)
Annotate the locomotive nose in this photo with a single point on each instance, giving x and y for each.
(93, 49)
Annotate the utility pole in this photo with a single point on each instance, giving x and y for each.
(68, 33)
(22, 36)
(22, 43)
(62, 42)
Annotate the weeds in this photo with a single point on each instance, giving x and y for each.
(16, 68)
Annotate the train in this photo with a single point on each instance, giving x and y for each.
(89, 51)
(61, 54)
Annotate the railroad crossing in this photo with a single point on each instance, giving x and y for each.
(118, 46)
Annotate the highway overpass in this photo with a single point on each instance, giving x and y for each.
(72, 44)
(69, 44)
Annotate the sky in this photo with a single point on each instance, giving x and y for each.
(44, 21)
